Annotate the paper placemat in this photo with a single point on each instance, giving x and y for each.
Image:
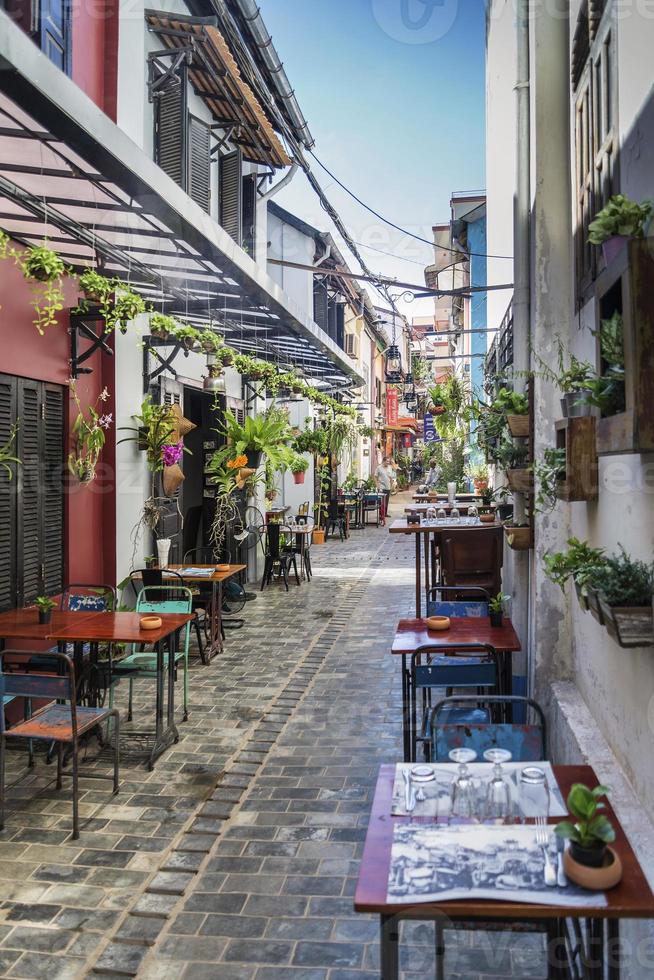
(196, 571)
(437, 792)
(436, 863)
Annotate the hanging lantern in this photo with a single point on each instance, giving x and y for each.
(393, 365)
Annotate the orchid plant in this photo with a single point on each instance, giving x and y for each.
(89, 433)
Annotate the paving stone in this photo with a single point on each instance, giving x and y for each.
(257, 951)
(139, 929)
(328, 954)
(170, 883)
(120, 959)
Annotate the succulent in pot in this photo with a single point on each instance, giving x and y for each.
(592, 830)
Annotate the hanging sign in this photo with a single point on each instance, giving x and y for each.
(430, 431)
(407, 440)
(391, 406)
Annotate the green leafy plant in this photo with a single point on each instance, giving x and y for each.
(46, 270)
(6, 457)
(449, 457)
(510, 455)
(571, 374)
(592, 828)
(88, 433)
(162, 325)
(127, 305)
(44, 603)
(40, 262)
(496, 604)
(366, 431)
(509, 402)
(620, 216)
(351, 481)
(611, 338)
(548, 473)
(98, 288)
(154, 428)
(478, 473)
(624, 581)
(299, 464)
(311, 441)
(453, 396)
(575, 563)
(265, 434)
(342, 432)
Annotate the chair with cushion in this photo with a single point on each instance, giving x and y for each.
(467, 601)
(527, 742)
(63, 722)
(143, 663)
(472, 557)
(87, 599)
(446, 665)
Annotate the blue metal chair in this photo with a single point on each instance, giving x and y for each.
(63, 722)
(446, 665)
(475, 602)
(526, 742)
(143, 663)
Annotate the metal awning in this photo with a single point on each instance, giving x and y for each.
(216, 79)
(69, 174)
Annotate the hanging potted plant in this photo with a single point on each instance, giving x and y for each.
(42, 264)
(578, 563)
(97, 288)
(625, 587)
(45, 605)
(127, 306)
(88, 433)
(46, 270)
(264, 435)
(618, 221)
(589, 861)
(515, 407)
(162, 326)
(299, 467)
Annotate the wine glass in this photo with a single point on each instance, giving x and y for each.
(472, 511)
(499, 801)
(464, 795)
(442, 514)
(431, 513)
(455, 516)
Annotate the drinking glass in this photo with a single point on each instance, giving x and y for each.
(499, 802)
(464, 794)
(534, 793)
(455, 515)
(431, 513)
(472, 511)
(442, 514)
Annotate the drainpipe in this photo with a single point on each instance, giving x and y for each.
(521, 579)
(276, 188)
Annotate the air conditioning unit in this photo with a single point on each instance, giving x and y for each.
(352, 345)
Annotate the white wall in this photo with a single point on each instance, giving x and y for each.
(290, 244)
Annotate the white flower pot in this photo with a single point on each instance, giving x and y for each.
(163, 550)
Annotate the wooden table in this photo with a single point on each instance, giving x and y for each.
(216, 580)
(411, 634)
(422, 508)
(400, 526)
(631, 899)
(470, 498)
(94, 628)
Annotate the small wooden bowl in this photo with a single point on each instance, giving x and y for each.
(439, 623)
(595, 879)
(150, 622)
(222, 568)
(487, 518)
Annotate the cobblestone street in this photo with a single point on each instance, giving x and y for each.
(237, 857)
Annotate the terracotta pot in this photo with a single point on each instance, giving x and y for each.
(299, 477)
(318, 535)
(172, 479)
(595, 879)
(480, 485)
(487, 518)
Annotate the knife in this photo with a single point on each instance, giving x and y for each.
(407, 790)
(561, 879)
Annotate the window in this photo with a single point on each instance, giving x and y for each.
(182, 142)
(595, 144)
(231, 194)
(32, 503)
(48, 23)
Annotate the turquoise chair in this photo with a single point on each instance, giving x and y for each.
(158, 599)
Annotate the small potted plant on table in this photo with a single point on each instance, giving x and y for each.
(45, 605)
(589, 861)
(496, 608)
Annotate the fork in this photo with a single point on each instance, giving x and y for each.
(542, 840)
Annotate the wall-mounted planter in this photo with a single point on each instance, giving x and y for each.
(577, 437)
(520, 480)
(582, 597)
(518, 538)
(594, 606)
(630, 626)
(518, 426)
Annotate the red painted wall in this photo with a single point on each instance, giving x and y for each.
(90, 526)
(95, 51)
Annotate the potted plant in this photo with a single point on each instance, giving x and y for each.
(515, 407)
(155, 425)
(589, 836)
(299, 467)
(496, 608)
(97, 288)
(45, 605)
(513, 458)
(518, 536)
(41, 263)
(264, 435)
(479, 476)
(88, 432)
(577, 563)
(126, 307)
(320, 508)
(625, 587)
(619, 220)
(549, 473)
(572, 377)
(46, 270)
(162, 326)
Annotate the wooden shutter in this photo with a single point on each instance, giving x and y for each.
(199, 162)
(250, 213)
(320, 304)
(30, 516)
(8, 497)
(170, 131)
(53, 489)
(340, 325)
(54, 32)
(231, 189)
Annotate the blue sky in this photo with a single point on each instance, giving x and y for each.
(393, 91)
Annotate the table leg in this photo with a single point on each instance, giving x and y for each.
(389, 939)
(613, 948)
(418, 582)
(163, 738)
(426, 551)
(406, 736)
(593, 955)
(158, 708)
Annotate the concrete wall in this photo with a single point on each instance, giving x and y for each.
(290, 244)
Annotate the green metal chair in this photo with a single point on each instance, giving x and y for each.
(143, 663)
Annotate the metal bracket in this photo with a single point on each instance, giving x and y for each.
(162, 363)
(161, 76)
(252, 392)
(82, 326)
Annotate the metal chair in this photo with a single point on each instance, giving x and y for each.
(154, 578)
(527, 742)
(63, 722)
(276, 555)
(303, 548)
(335, 520)
(477, 606)
(441, 665)
(142, 663)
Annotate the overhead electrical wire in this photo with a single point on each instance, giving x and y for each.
(387, 221)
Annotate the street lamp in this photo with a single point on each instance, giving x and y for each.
(393, 365)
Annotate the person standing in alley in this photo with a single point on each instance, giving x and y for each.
(384, 477)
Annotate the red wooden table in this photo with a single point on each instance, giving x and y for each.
(94, 628)
(631, 899)
(216, 580)
(411, 634)
(400, 526)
